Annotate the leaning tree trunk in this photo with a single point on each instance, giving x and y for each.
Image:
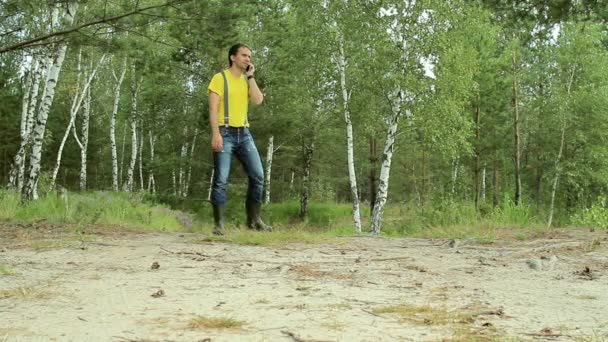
(308, 149)
(119, 81)
(269, 154)
(79, 97)
(190, 162)
(354, 194)
(30, 191)
(516, 124)
(385, 169)
(134, 91)
(559, 154)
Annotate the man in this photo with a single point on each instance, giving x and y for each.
(229, 95)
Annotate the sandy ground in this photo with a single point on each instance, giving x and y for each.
(155, 287)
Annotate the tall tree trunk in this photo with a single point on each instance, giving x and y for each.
(182, 158)
(387, 157)
(210, 184)
(140, 159)
(352, 177)
(516, 122)
(119, 80)
(151, 181)
(559, 154)
(190, 162)
(495, 183)
(30, 191)
(455, 163)
(85, 140)
(134, 92)
(29, 105)
(482, 192)
(77, 102)
(477, 150)
(308, 150)
(269, 154)
(373, 160)
(291, 182)
(174, 182)
(121, 169)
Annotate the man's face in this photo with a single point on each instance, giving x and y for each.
(242, 57)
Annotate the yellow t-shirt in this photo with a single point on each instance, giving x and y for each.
(238, 97)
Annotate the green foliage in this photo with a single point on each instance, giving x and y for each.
(595, 217)
(100, 208)
(510, 214)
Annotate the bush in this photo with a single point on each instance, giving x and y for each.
(596, 216)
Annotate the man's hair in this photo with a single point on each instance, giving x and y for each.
(234, 50)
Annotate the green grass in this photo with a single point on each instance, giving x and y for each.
(6, 270)
(326, 220)
(94, 208)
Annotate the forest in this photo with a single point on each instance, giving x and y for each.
(420, 111)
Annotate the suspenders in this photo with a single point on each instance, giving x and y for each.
(226, 109)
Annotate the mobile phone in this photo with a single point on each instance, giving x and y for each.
(248, 67)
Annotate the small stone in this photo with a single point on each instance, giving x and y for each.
(535, 264)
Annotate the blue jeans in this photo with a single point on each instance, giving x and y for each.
(238, 142)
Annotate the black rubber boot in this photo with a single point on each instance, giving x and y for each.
(218, 219)
(254, 220)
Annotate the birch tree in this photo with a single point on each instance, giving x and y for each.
(81, 96)
(114, 152)
(29, 106)
(30, 191)
(352, 177)
(128, 185)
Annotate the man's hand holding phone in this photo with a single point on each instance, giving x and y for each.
(249, 70)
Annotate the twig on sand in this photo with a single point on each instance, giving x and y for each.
(372, 313)
(298, 339)
(188, 253)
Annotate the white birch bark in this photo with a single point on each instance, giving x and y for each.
(134, 90)
(85, 140)
(151, 181)
(189, 173)
(121, 169)
(119, 81)
(29, 103)
(560, 152)
(174, 182)
(349, 138)
(141, 158)
(182, 157)
(30, 191)
(455, 163)
(77, 102)
(387, 156)
(269, 155)
(210, 184)
(482, 195)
